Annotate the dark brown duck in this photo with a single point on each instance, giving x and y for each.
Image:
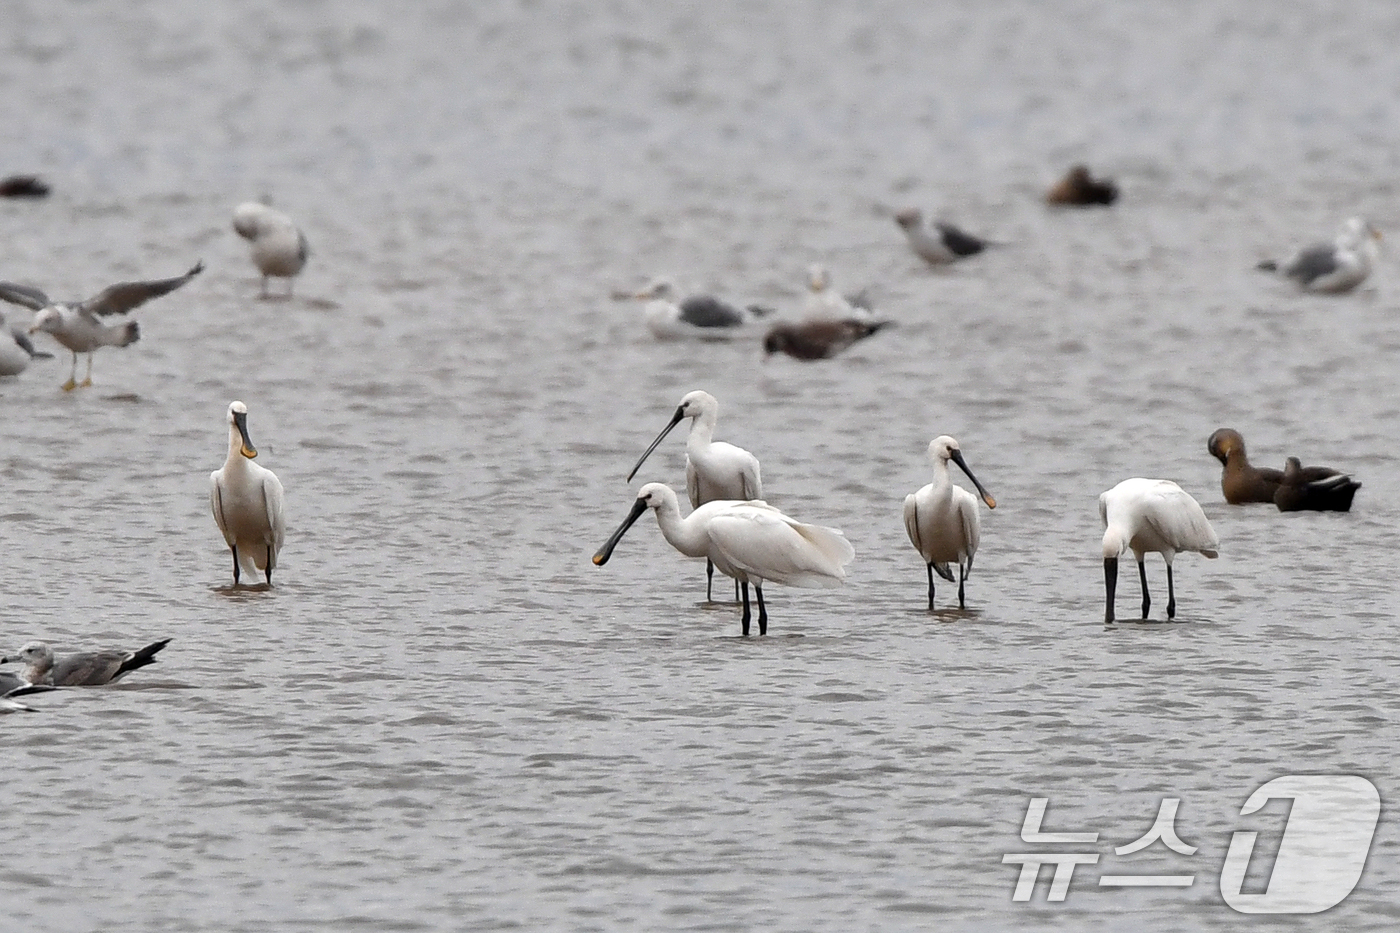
(1242, 482)
(1080, 189)
(818, 339)
(1315, 489)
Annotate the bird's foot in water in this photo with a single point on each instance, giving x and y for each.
(69, 386)
(86, 383)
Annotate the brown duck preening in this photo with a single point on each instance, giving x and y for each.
(1314, 489)
(818, 339)
(1080, 189)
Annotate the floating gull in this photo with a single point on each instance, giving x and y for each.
(1334, 267)
(1080, 189)
(247, 502)
(819, 339)
(85, 669)
(76, 325)
(826, 303)
(1151, 515)
(1319, 489)
(16, 350)
(942, 519)
(279, 247)
(943, 244)
(702, 317)
(749, 541)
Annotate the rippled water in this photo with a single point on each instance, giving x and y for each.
(443, 716)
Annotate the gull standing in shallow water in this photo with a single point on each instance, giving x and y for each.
(247, 502)
(943, 244)
(1336, 267)
(942, 519)
(278, 245)
(77, 325)
(85, 669)
(1151, 515)
(714, 470)
(749, 541)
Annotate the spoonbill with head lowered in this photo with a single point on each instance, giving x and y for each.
(714, 470)
(942, 519)
(749, 541)
(1151, 515)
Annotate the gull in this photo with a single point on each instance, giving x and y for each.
(16, 350)
(247, 502)
(819, 339)
(942, 519)
(713, 469)
(702, 317)
(943, 244)
(77, 325)
(749, 541)
(279, 248)
(1151, 515)
(1080, 189)
(1336, 267)
(85, 669)
(825, 303)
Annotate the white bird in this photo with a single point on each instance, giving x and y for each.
(247, 502)
(714, 470)
(77, 325)
(84, 669)
(16, 350)
(824, 303)
(942, 519)
(1151, 515)
(279, 247)
(749, 541)
(1334, 267)
(699, 317)
(943, 244)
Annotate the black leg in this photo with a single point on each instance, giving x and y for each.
(930, 587)
(762, 612)
(1110, 584)
(1146, 599)
(736, 591)
(235, 564)
(745, 620)
(1171, 595)
(709, 579)
(962, 600)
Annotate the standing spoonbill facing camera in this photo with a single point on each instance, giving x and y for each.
(942, 519)
(247, 502)
(749, 541)
(1151, 515)
(714, 470)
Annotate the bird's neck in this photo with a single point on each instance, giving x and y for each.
(686, 535)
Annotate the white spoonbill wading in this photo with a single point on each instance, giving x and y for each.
(1151, 515)
(749, 541)
(247, 502)
(714, 470)
(942, 519)
(77, 325)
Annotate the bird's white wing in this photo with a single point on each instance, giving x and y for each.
(272, 497)
(216, 503)
(767, 545)
(971, 522)
(911, 522)
(1179, 520)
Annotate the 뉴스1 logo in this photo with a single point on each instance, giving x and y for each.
(1320, 859)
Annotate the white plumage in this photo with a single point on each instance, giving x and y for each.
(942, 519)
(247, 502)
(279, 248)
(1334, 267)
(749, 541)
(1151, 515)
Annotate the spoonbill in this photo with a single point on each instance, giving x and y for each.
(701, 317)
(819, 339)
(279, 247)
(1080, 189)
(1335, 267)
(77, 325)
(1315, 489)
(942, 519)
(85, 669)
(714, 470)
(16, 350)
(943, 244)
(1151, 515)
(749, 541)
(247, 501)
